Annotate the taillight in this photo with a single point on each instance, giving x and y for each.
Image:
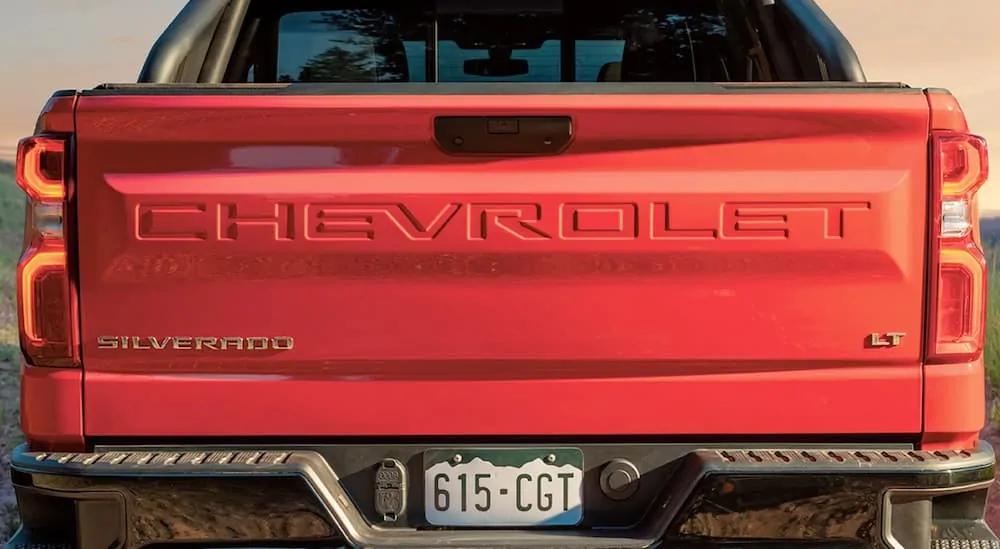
(44, 295)
(959, 167)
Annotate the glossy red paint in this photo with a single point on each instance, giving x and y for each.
(52, 408)
(704, 264)
(954, 406)
(594, 399)
(57, 114)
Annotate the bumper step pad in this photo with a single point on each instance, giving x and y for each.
(714, 497)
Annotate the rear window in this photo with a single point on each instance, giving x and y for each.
(502, 41)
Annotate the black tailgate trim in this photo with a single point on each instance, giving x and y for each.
(774, 481)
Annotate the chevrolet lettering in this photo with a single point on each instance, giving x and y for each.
(476, 221)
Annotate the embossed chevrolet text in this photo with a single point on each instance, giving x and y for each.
(195, 343)
(289, 221)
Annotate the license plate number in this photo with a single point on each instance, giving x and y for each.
(503, 487)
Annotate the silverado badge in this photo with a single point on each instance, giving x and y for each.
(195, 343)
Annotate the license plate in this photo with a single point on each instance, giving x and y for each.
(503, 487)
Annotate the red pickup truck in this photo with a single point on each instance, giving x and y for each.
(521, 274)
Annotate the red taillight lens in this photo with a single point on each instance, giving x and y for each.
(44, 295)
(959, 167)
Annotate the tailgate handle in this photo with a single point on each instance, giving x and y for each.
(503, 135)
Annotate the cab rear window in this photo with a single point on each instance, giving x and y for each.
(512, 41)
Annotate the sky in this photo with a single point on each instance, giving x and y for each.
(47, 45)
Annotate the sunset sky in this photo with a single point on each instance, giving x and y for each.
(53, 44)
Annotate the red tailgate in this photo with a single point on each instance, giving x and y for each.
(690, 264)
